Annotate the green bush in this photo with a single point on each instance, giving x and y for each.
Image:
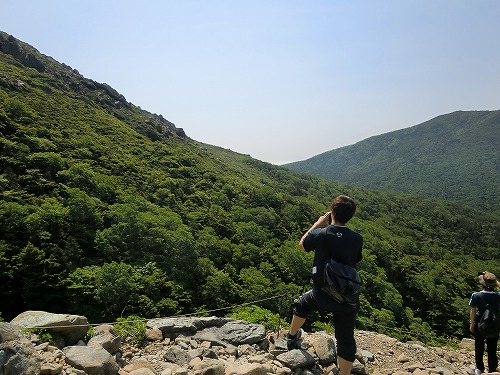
(258, 315)
(90, 333)
(43, 335)
(322, 326)
(132, 328)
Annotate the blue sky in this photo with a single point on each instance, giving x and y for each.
(280, 80)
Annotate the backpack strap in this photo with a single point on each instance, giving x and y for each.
(486, 304)
(481, 297)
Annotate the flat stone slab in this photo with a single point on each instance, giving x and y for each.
(71, 327)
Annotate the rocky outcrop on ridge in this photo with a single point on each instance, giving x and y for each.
(63, 77)
(11, 46)
(213, 346)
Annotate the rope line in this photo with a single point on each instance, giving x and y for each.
(165, 317)
(396, 329)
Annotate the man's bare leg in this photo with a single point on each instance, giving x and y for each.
(296, 323)
(344, 366)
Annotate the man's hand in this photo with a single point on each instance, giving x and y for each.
(320, 223)
(324, 220)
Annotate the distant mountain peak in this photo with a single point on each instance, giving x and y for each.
(454, 156)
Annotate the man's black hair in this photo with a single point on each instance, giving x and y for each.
(343, 208)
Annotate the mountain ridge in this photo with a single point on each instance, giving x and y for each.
(103, 94)
(453, 157)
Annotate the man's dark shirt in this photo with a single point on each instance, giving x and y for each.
(488, 296)
(338, 243)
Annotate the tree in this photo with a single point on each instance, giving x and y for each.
(220, 291)
(255, 285)
(250, 232)
(209, 245)
(5, 276)
(292, 263)
(80, 176)
(102, 292)
(30, 278)
(142, 232)
(83, 219)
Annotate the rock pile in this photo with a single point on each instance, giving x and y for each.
(207, 346)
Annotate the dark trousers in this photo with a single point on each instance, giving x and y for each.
(344, 318)
(491, 350)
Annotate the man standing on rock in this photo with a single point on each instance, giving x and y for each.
(477, 304)
(343, 245)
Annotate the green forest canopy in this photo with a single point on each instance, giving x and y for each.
(105, 213)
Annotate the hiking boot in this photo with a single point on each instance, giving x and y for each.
(294, 342)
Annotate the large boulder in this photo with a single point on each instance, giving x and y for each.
(107, 338)
(94, 360)
(72, 328)
(296, 358)
(172, 327)
(324, 347)
(234, 332)
(17, 353)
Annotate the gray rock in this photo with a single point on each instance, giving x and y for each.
(94, 360)
(202, 353)
(14, 48)
(365, 356)
(212, 336)
(238, 332)
(235, 332)
(71, 327)
(142, 371)
(176, 355)
(324, 346)
(358, 368)
(296, 359)
(51, 368)
(17, 353)
(107, 338)
(172, 326)
(209, 367)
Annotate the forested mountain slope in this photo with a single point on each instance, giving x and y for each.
(453, 157)
(107, 210)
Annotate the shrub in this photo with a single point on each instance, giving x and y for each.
(90, 333)
(258, 315)
(322, 326)
(43, 335)
(132, 328)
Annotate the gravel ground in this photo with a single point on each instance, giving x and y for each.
(391, 356)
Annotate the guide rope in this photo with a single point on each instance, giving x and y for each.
(202, 312)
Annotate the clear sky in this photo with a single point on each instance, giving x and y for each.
(280, 80)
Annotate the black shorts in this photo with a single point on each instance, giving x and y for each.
(344, 318)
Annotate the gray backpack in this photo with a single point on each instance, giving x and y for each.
(489, 323)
